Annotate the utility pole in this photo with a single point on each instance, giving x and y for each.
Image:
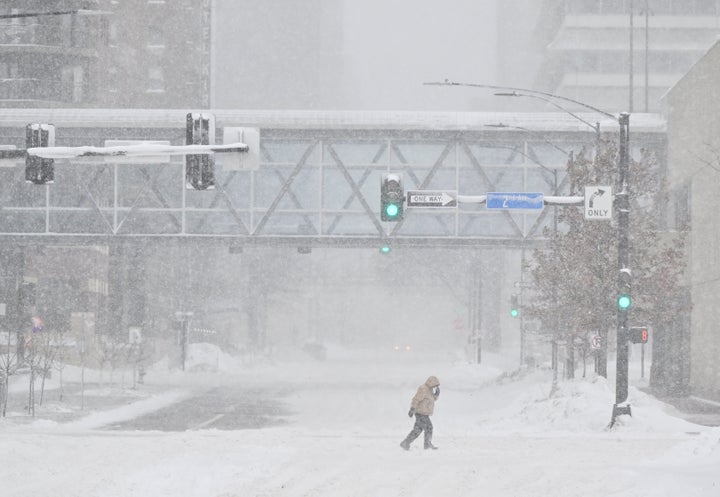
(523, 333)
(183, 318)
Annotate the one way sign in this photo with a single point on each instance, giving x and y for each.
(431, 198)
(598, 202)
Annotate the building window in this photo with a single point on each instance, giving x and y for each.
(657, 7)
(112, 73)
(9, 70)
(155, 38)
(683, 209)
(73, 84)
(597, 7)
(156, 80)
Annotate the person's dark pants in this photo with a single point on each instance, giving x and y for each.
(422, 424)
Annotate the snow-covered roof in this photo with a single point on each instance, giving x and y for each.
(697, 63)
(311, 119)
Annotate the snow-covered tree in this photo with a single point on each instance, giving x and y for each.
(576, 277)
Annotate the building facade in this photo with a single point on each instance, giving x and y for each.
(693, 172)
(595, 51)
(105, 53)
(157, 54)
(49, 60)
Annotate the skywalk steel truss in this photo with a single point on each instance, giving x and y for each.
(318, 183)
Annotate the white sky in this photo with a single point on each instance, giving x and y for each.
(375, 55)
(393, 47)
(499, 435)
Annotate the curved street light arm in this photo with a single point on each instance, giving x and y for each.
(595, 127)
(525, 90)
(510, 126)
(526, 155)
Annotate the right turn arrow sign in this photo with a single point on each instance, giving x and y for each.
(598, 202)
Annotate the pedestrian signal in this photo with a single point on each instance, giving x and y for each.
(638, 334)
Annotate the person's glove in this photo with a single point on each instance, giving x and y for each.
(411, 413)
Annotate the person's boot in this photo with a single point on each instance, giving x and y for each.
(405, 444)
(429, 445)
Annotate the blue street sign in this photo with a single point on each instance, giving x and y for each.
(514, 200)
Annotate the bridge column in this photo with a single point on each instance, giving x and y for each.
(492, 281)
(17, 313)
(255, 303)
(126, 281)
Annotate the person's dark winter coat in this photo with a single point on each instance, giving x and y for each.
(422, 407)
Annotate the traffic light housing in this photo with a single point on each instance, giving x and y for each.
(638, 334)
(38, 170)
(624, 301)
(392, 197)
(199, 168)
(514, 306)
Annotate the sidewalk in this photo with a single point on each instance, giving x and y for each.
(696, 410)
(75, 403)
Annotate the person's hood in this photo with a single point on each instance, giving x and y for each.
(432, 382)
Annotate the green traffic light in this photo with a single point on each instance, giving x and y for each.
(514, 313)
(623, 302)
(392, 210)
(385, 249)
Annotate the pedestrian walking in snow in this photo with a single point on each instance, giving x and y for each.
(422, 407)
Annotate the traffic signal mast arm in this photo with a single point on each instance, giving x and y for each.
(199, 150)
(146, 150)
(547, 200)
(571, 200)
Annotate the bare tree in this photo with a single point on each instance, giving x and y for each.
(59, 363)
(109, 351)
(9, 361)
(49, 344)
(32, 358)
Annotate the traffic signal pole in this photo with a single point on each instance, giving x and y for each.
(622, 199)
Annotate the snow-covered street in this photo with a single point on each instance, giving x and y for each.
(499, 433)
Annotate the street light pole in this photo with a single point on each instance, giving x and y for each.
(622, 199)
